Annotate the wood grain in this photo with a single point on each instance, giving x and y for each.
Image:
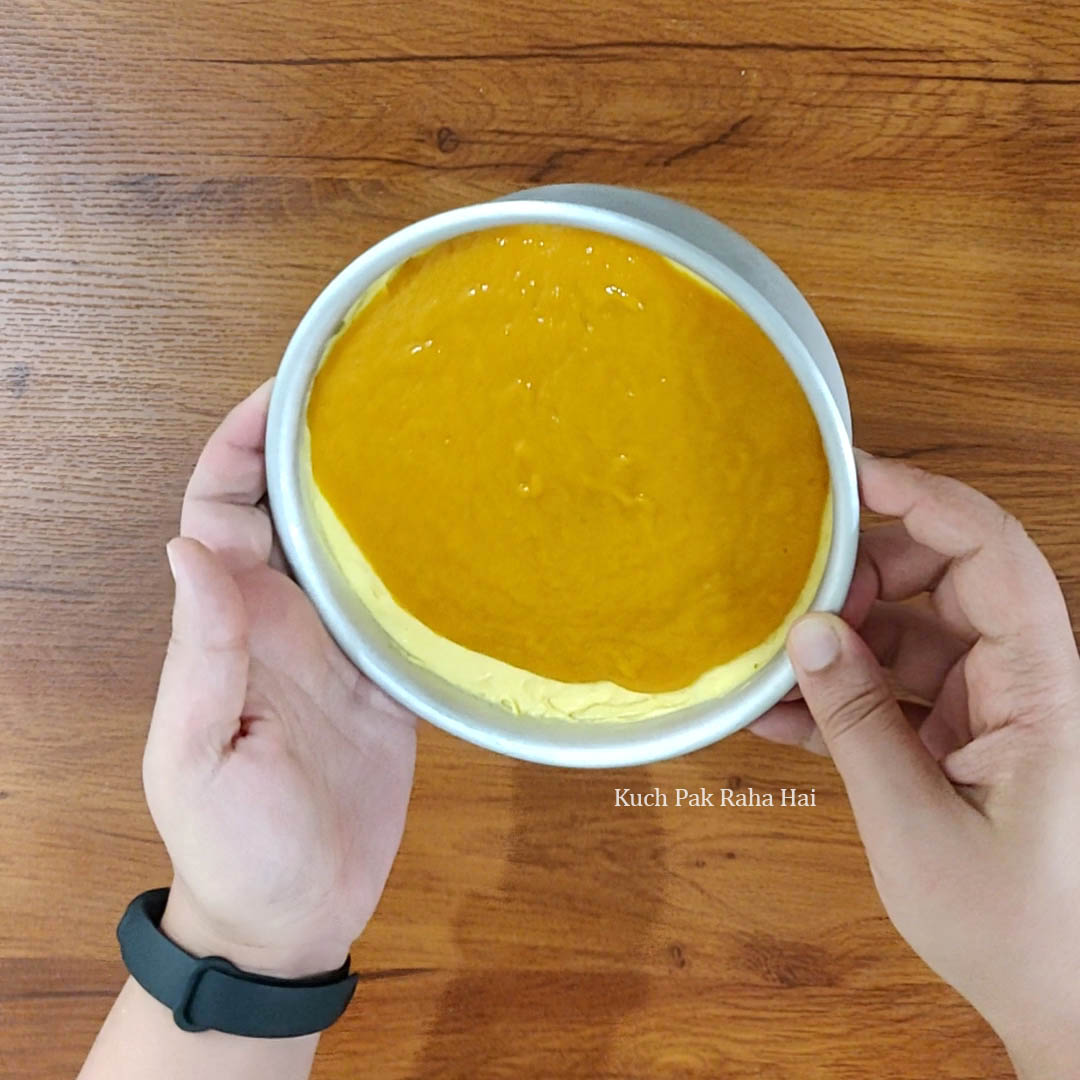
(177, 182)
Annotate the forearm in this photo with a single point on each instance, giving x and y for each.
(140, 1041)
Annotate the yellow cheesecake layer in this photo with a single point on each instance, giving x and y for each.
(567, 475)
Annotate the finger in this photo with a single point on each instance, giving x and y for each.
(903, 568)
(909, 641)
(864, 589)
(204, 678)
(860, 599)
(230, 468)
(791, 724)
(991, 758)
(897, 790)
(277, 558)
(229, 479)
(914, 645)
(997, 584)
(948, 727)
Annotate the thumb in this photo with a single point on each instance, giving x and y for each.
(204, 678)
(895, 786)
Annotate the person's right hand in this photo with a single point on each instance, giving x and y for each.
(970, 809)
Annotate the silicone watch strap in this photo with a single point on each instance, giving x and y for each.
(210, 993)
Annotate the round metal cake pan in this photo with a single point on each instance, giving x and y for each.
(685, 235)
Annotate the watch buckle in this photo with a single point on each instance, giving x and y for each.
(181, 1014)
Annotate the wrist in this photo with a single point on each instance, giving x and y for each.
(187, 926)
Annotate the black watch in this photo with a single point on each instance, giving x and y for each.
(209, 993)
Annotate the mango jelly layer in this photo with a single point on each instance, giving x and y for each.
(561, 450)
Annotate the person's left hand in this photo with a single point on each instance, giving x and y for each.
(276, 773)
(905, 633)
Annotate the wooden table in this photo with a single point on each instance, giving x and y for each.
(180, 180)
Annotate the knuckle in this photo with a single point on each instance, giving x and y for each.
(942, 487)
(853, 712)
(1011, 531)
(950, 491)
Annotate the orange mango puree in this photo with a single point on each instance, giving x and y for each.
(561, 451)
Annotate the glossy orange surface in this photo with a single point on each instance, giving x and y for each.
(558, 449)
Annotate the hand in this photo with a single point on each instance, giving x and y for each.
(277, 775)
(969, 805)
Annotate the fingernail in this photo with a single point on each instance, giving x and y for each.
(169, 555)
(861, 456)
(770, 726)
(812, 644)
